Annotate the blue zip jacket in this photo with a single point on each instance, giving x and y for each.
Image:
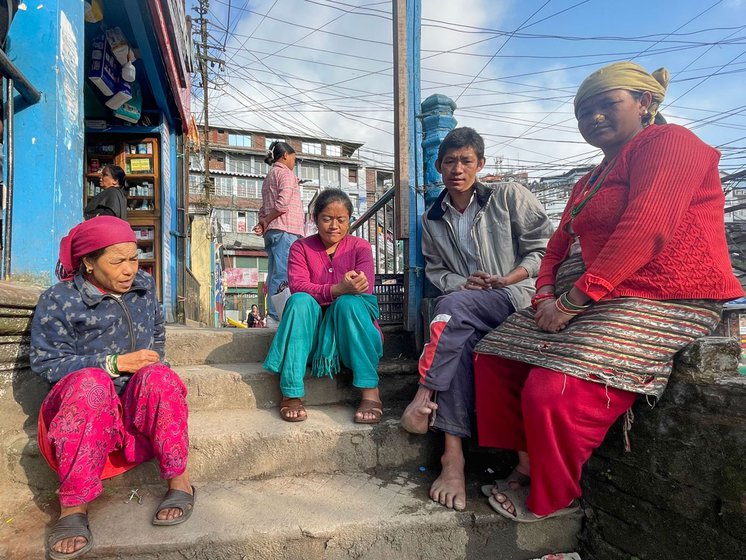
(75, 326)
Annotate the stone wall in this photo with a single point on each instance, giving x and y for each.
(21, 392)
(681, 492)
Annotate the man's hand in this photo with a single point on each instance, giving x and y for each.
(477, 281)
(496, 281)
(134, 361)
(259, 228)
(353, 283)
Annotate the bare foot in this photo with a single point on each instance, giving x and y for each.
(416, 417)
(73, 544)
(182, 483)
(449, 489)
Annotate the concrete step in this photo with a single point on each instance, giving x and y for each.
(245, 444)
(190, 346)
(313, 517)
(249, 385)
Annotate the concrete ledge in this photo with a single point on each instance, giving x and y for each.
(245, 444)
(313, 517)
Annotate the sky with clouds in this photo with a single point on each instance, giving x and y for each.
(324, 67)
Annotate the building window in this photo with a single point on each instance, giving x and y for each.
(259, 167)
(196, 161)
(224, 219)
(330, 176)
(248, 188)
(239, 140)
(352, 175)
(311, 148)
(334, 150)
(309, 172)
(246, 221)
(268, 142)
(196, 184)
(240, 164)
(307, 195)
(223, 186)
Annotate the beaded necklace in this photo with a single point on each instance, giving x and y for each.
(594, 183)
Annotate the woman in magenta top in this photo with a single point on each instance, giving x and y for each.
(331, 314)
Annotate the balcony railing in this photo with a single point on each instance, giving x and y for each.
(378, 227)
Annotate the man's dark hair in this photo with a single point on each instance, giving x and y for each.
(462, 137)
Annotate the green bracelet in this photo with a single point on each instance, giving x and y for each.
(572, 306)
(114, 363)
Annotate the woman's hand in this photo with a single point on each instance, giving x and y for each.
(352, 283)
(549, 318)
(134, 361)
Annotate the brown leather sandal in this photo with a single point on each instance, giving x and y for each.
(289, 404)
(369, 406)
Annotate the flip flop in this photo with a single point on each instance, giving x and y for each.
(522, 513)
(371, 406)
(68, 527)
(176, 499)
(504, 483)
(290, 404)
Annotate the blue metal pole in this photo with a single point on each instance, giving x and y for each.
(437, 121)
(415, 271)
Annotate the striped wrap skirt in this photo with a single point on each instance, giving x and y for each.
(627, 343)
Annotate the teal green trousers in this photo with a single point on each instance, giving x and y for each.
(346, 332)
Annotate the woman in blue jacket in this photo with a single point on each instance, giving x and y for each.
(98, 336)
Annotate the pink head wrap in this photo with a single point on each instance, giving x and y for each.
(86, 237)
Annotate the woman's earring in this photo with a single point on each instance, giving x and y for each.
(88, 270)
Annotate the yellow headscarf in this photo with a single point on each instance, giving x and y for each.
(625, 75)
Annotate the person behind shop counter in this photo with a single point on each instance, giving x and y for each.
(98, 337)
(112, 200)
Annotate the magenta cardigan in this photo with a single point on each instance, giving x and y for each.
(311, 271)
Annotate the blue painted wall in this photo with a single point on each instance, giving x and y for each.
(46, 43)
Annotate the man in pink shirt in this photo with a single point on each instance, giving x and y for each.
(281, 218)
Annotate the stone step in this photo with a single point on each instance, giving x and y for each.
(313, 517)
(249, 385)
(190, 346)
(245, 444)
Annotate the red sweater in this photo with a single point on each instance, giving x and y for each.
(655, 228)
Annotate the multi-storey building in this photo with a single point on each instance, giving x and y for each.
(554, 192)
(237, 170)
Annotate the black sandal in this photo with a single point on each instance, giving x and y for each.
(69, 527)
(176, 499)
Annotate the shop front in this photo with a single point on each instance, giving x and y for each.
(125, 102)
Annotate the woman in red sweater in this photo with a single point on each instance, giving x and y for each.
(637, 269)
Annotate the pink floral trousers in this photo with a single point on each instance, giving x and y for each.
(88, 433)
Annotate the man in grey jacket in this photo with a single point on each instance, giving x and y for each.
(483, 246)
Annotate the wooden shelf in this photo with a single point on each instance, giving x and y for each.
(122, 138)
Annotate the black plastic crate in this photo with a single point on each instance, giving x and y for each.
(389, 290)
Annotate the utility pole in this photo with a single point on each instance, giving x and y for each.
(204, 57)
(408, 164)
(211, 275)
